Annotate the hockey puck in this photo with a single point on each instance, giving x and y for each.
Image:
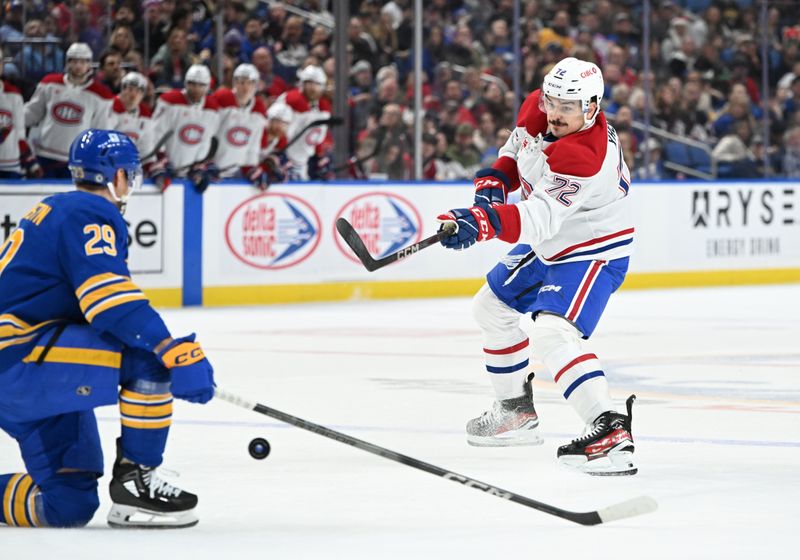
(259, 448)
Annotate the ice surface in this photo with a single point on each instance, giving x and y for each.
(717, 429)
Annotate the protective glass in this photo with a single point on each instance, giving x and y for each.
(566, 108)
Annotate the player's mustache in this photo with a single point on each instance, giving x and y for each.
(557, 123)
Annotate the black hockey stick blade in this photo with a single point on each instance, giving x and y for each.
(354, 241)
(630, 508)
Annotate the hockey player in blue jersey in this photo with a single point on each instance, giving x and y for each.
(75, 334)
(575, 233)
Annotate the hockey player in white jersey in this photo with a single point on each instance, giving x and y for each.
(307, 105)
(243, 121)
(132, 115)
(15, 153)
(64, 105)
(193, 118)
(576, 232)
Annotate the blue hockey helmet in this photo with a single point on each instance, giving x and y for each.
(96, 155)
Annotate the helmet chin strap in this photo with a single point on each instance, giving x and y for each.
(121, 200)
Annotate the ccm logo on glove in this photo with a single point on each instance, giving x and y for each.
(183, 354)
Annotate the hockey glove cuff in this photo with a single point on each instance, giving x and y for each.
(192, 374)
(479, 223)
(491, 186)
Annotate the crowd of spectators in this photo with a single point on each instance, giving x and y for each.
(705, 55)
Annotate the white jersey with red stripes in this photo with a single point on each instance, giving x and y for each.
(137, 124)
(575, 189)
(193, 126)
(60, 110)
(12, 127)
(310, 142)
(241, 133)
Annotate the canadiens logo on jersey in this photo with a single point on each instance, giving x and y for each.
(68, 113)
(273, 231)
(191, 134)
(6, 120)
(385, 222)
(238, 136)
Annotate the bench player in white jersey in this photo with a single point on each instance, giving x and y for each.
(243, 122)
(307, 105)
(193, 117)
(133, 116)
(64, 105)
(575, 223)
(15, 153)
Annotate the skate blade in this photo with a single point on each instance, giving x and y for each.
(130, 517)
(509, 439)
(615, 464)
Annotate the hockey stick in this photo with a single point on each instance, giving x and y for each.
(331, 121)
(628, 508)
(167, 135)
(354, 241)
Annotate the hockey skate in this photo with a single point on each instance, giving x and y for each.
(142, 500)
(510, 422)
(605, 448)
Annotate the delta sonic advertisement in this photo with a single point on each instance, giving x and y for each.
(255, 237)
(386, 222)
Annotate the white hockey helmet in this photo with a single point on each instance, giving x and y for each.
(578, 80)
(79, 51)
(280, 111)
(198, 74)
(314, 74)
(134, 79)
(247, 71)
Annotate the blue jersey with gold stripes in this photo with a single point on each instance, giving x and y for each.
(66, 262)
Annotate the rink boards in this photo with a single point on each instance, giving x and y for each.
(239, 246)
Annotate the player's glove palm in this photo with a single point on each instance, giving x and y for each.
(491, 186)
(479, 223)
(192, 374)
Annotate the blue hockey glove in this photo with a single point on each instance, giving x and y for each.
(479, 223)
(192, 374)
(491, 186)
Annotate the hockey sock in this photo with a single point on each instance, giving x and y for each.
(146, 419)
(21, 501)
(578, 374)
(508, 368)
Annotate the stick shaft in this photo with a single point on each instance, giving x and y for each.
(354, 241)
(587, 518)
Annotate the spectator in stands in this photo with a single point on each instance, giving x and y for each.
(82, 31)
(110, 74)
(12, 27)
(123, 42)
(462, 49)
(464, 151)
(558, 32)
(291, 50)
(157, 29)
(654, 170)
(270, 85)
(35, 61)
(253, 38)
(734, 149)
(791, 153)
(362, 45)
(62, 106)
(171, 62)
